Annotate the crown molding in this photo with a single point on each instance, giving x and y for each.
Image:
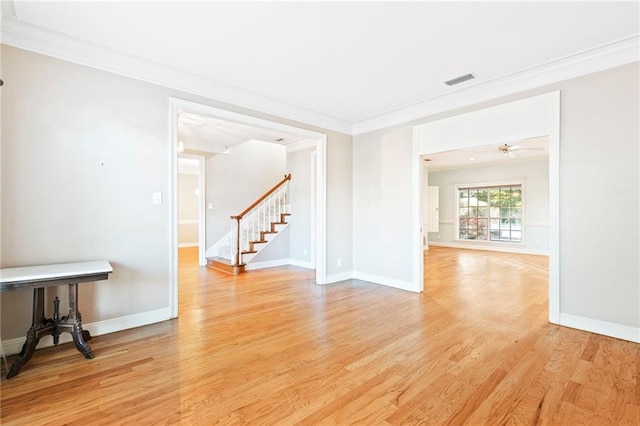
(609, 55)
(25, 36)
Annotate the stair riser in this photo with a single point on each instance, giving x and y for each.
(251, 243)
(230, 269)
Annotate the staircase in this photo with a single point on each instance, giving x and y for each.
(252, 230)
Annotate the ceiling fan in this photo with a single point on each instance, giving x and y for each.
(509, 151)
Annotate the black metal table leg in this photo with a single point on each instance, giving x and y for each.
(38, 329)
(76, 325)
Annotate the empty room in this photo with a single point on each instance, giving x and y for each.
(320, 213)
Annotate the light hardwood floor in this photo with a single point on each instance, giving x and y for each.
(270, 347)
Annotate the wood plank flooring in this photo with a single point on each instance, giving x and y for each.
(272, 348)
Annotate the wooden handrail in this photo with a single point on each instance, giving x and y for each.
(259, 200)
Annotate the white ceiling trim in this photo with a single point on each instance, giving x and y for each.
(603, 57)
(29, 37)
(25, 36)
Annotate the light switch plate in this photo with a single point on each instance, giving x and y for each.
(157, 197)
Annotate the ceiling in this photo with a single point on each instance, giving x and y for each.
(523, 150)
(207, 135)
(346, 66)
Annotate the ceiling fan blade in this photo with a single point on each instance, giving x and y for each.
(532, 149)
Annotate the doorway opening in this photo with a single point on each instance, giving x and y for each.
(529, 118)
(244, 124)
(191, 210)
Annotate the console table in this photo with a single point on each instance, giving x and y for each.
(39, 277)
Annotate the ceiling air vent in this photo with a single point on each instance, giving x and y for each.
(460, 79)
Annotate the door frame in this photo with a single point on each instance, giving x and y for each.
(320, 245)
(522, 119)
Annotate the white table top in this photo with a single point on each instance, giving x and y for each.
(60, 270)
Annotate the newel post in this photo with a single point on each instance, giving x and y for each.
(237, 254)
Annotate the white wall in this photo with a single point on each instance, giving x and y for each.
(299, 165)
(599, 160)
(340, 192)
(382, 206)
(535, 177)
(235, 181)
(188, 205)
(82, 152)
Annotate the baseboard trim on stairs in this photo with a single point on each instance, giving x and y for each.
(14, 346)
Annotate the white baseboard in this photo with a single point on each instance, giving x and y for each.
(605, 328)
(301, 263)
(14, 346)
(389, 282)
(473, 246)
(183, 245)
(342, 276)
(278, 262)
(266, 264)
(375, 279)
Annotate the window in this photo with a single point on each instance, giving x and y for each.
(490, 213)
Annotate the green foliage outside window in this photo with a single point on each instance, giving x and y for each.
(490, 213)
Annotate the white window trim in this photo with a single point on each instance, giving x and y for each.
(456, 220)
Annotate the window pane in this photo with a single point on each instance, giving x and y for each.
(463, 194)
(462, 231)
(483, 196)
(516, 197)
(491, 213)
(494, 197)
(482, 229)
